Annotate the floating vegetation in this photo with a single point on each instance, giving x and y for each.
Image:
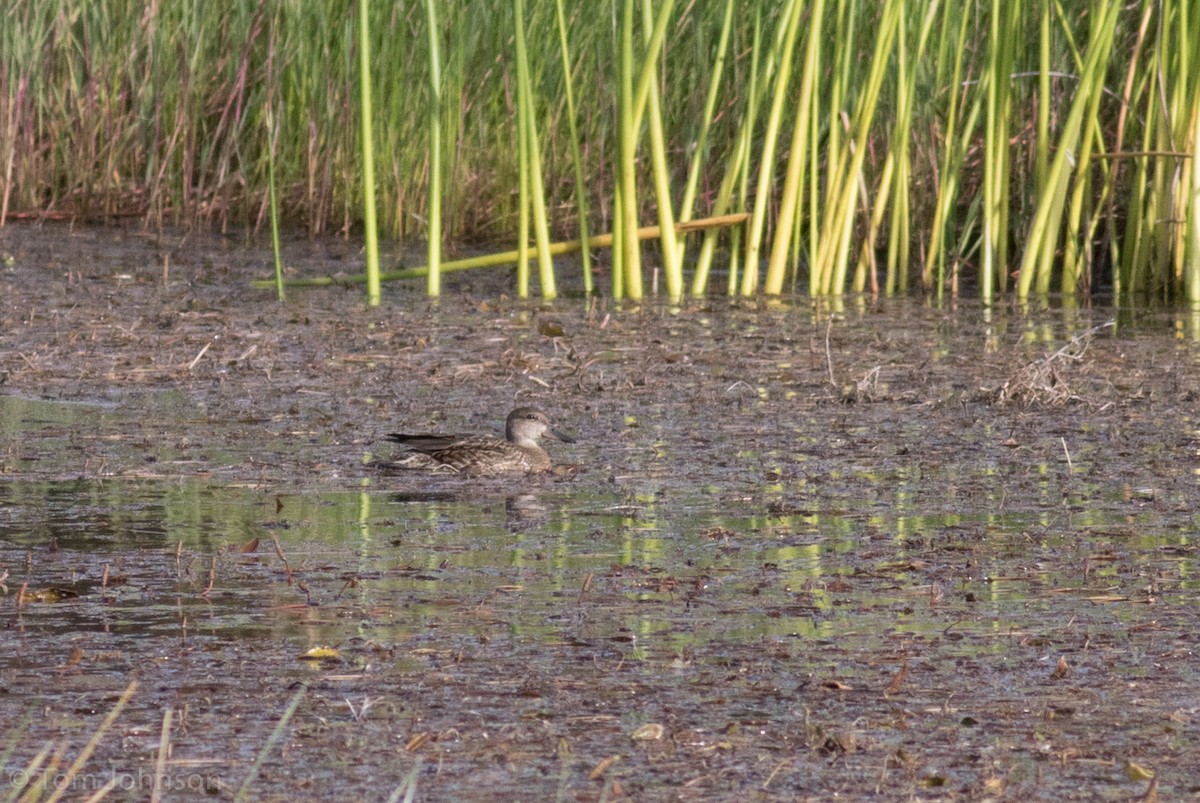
(748, 589)
(1043, 382)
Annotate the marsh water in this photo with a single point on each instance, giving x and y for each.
(887, 549)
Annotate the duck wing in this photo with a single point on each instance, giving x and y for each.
(429, 444)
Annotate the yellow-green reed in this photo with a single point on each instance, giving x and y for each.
(844, 55)
(523, 175)
(276, 249)
(1192, 268)
(672, 260)
(957, 137)
(406, 790)
(532, 185)
(1139, 266)
(512, 257)
(21, 39)
(581, 199)
(1174, 184)
(64, 779)
(367, 149)
(895, 175)
(798, 157)
(735, 176)
(1045, 101)
(433, 235)
(627, 260)
(897, 172)
(523, 190)
(1002, 41)
(1083, 210)
(1037, 261)
(632, 102)
(273, 738)
(1184, 61)
(814, 180)
(766, 164)
(271, 134)
(699, 148)
(829, 271)
(1112, 249)
(901, 230)
(855, 182)
(159, 111)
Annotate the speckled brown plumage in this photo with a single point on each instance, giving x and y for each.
(483, 455)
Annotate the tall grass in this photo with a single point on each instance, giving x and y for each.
(966, 144)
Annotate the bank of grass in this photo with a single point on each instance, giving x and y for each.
(1025, 147)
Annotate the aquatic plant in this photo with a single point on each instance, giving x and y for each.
(874, 146)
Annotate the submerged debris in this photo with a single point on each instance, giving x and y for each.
(1041, 382)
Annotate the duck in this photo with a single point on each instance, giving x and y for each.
(483, 455)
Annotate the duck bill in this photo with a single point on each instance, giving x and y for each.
(553, 433)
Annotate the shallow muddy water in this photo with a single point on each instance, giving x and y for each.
(867, 553)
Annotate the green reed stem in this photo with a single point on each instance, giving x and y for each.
(835, 235)
(160, 762)
(953, 49)
(672, 264)
(368, 154)
(106, 114)
(798, 157)
(1184, 203)
(737, 168)
(524, 188)
(631, 257)
(900, 229)
(649, 71)
(272, 740)
(406, 790)
(1192, 273)
(65, 779)
(276, 250)
(1115, 249)
(1037, 262)
(527, 119)
(581, 200)
(766, 163)
(434, 226)
(700, 150)
(1045, 101)
(1002, 41)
